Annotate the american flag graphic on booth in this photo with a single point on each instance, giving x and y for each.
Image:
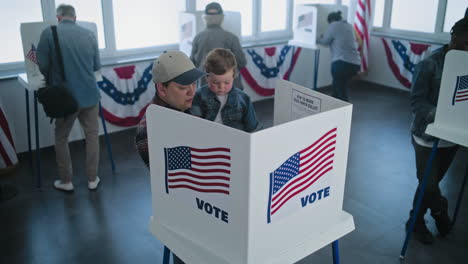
(304, 20)
(31, 55)
(301, 171)
(205, 170)
(461, 90)
(187, 30)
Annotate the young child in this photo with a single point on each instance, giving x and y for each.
(219, 101)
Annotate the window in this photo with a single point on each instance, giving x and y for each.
(378, 11)
(454, 12)
(245, 7)
(12, 15)
(412, 17)
(90, 11)
(300, 2)
(273, 15)
(146, 23)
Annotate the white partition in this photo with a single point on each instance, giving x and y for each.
(192, 23)
(221, 195)
(451, 121)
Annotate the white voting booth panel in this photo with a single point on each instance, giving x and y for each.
(192, 23)
(451, 121)
(30, 35)
(221, 195)
(310, 22)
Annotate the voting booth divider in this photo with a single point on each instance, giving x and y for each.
(192, 23)
(221, 195)
(450, 124)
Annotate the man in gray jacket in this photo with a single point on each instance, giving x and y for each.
(80, 55)
(214, 36)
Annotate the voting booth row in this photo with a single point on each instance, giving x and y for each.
(221, 195)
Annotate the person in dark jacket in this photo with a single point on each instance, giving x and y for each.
(424, 97)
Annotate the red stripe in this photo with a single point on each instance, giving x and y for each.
(211, 164)
(173, 174)
(461, 96)
(394, 67)
(321, 156)
(460, 100)
(293, 63)
(311, 146)
(254, 85)
(369, 9)
(298, 191)
(201, 183)
(463, 92)
(5, 156)
(123, 121)
(361, 4)
(212, 157)
(6, 129)
(358, 31)
(198, 189)
(279, 196)
(209, 171)
(210, 149)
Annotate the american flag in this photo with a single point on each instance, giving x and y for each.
(304, 20)
(362, 27)
(206, 170)
(461, 89)
(300, 171)
(32, 54)
(187, 30)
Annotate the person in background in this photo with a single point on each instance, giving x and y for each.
(424, 95)
(219, 101)
(175, 78)
(214, 36)
(80, 54)
(346, 60)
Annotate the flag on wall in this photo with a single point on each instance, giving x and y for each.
(204, 170)
(362, 28)
(7, 146)
(126, 91)
(402, 57)
(300, 171)
(267, 64)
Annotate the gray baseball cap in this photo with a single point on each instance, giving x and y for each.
(177, 67)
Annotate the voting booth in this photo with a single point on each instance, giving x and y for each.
(191, 23)
(310, 22)
(30, 35)
(221, 195)
(451, 122)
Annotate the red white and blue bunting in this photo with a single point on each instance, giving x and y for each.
(266, 65)
(126, 91)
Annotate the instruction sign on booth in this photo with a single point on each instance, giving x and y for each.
(221, 195)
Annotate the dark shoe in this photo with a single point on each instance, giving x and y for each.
(421, 233)
(443, 223)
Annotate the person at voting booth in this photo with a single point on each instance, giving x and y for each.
(424, 96)
(175, 78)
(220, 101)
(80, 53)
(214, 36)
(344, 52)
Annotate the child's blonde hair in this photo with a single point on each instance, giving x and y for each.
(219, 61)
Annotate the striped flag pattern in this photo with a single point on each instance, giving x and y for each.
(205, 170)
(301, 170)
(31, 55)
(7, 146)
(461, 89)
(362, 28)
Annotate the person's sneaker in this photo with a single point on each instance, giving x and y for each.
(443, 223)
(421, 233)
(92, 185)
(68, 187)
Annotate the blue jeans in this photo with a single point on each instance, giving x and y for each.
(342, 72)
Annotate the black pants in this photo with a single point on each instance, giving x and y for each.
(433, 198)
(342, 72)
